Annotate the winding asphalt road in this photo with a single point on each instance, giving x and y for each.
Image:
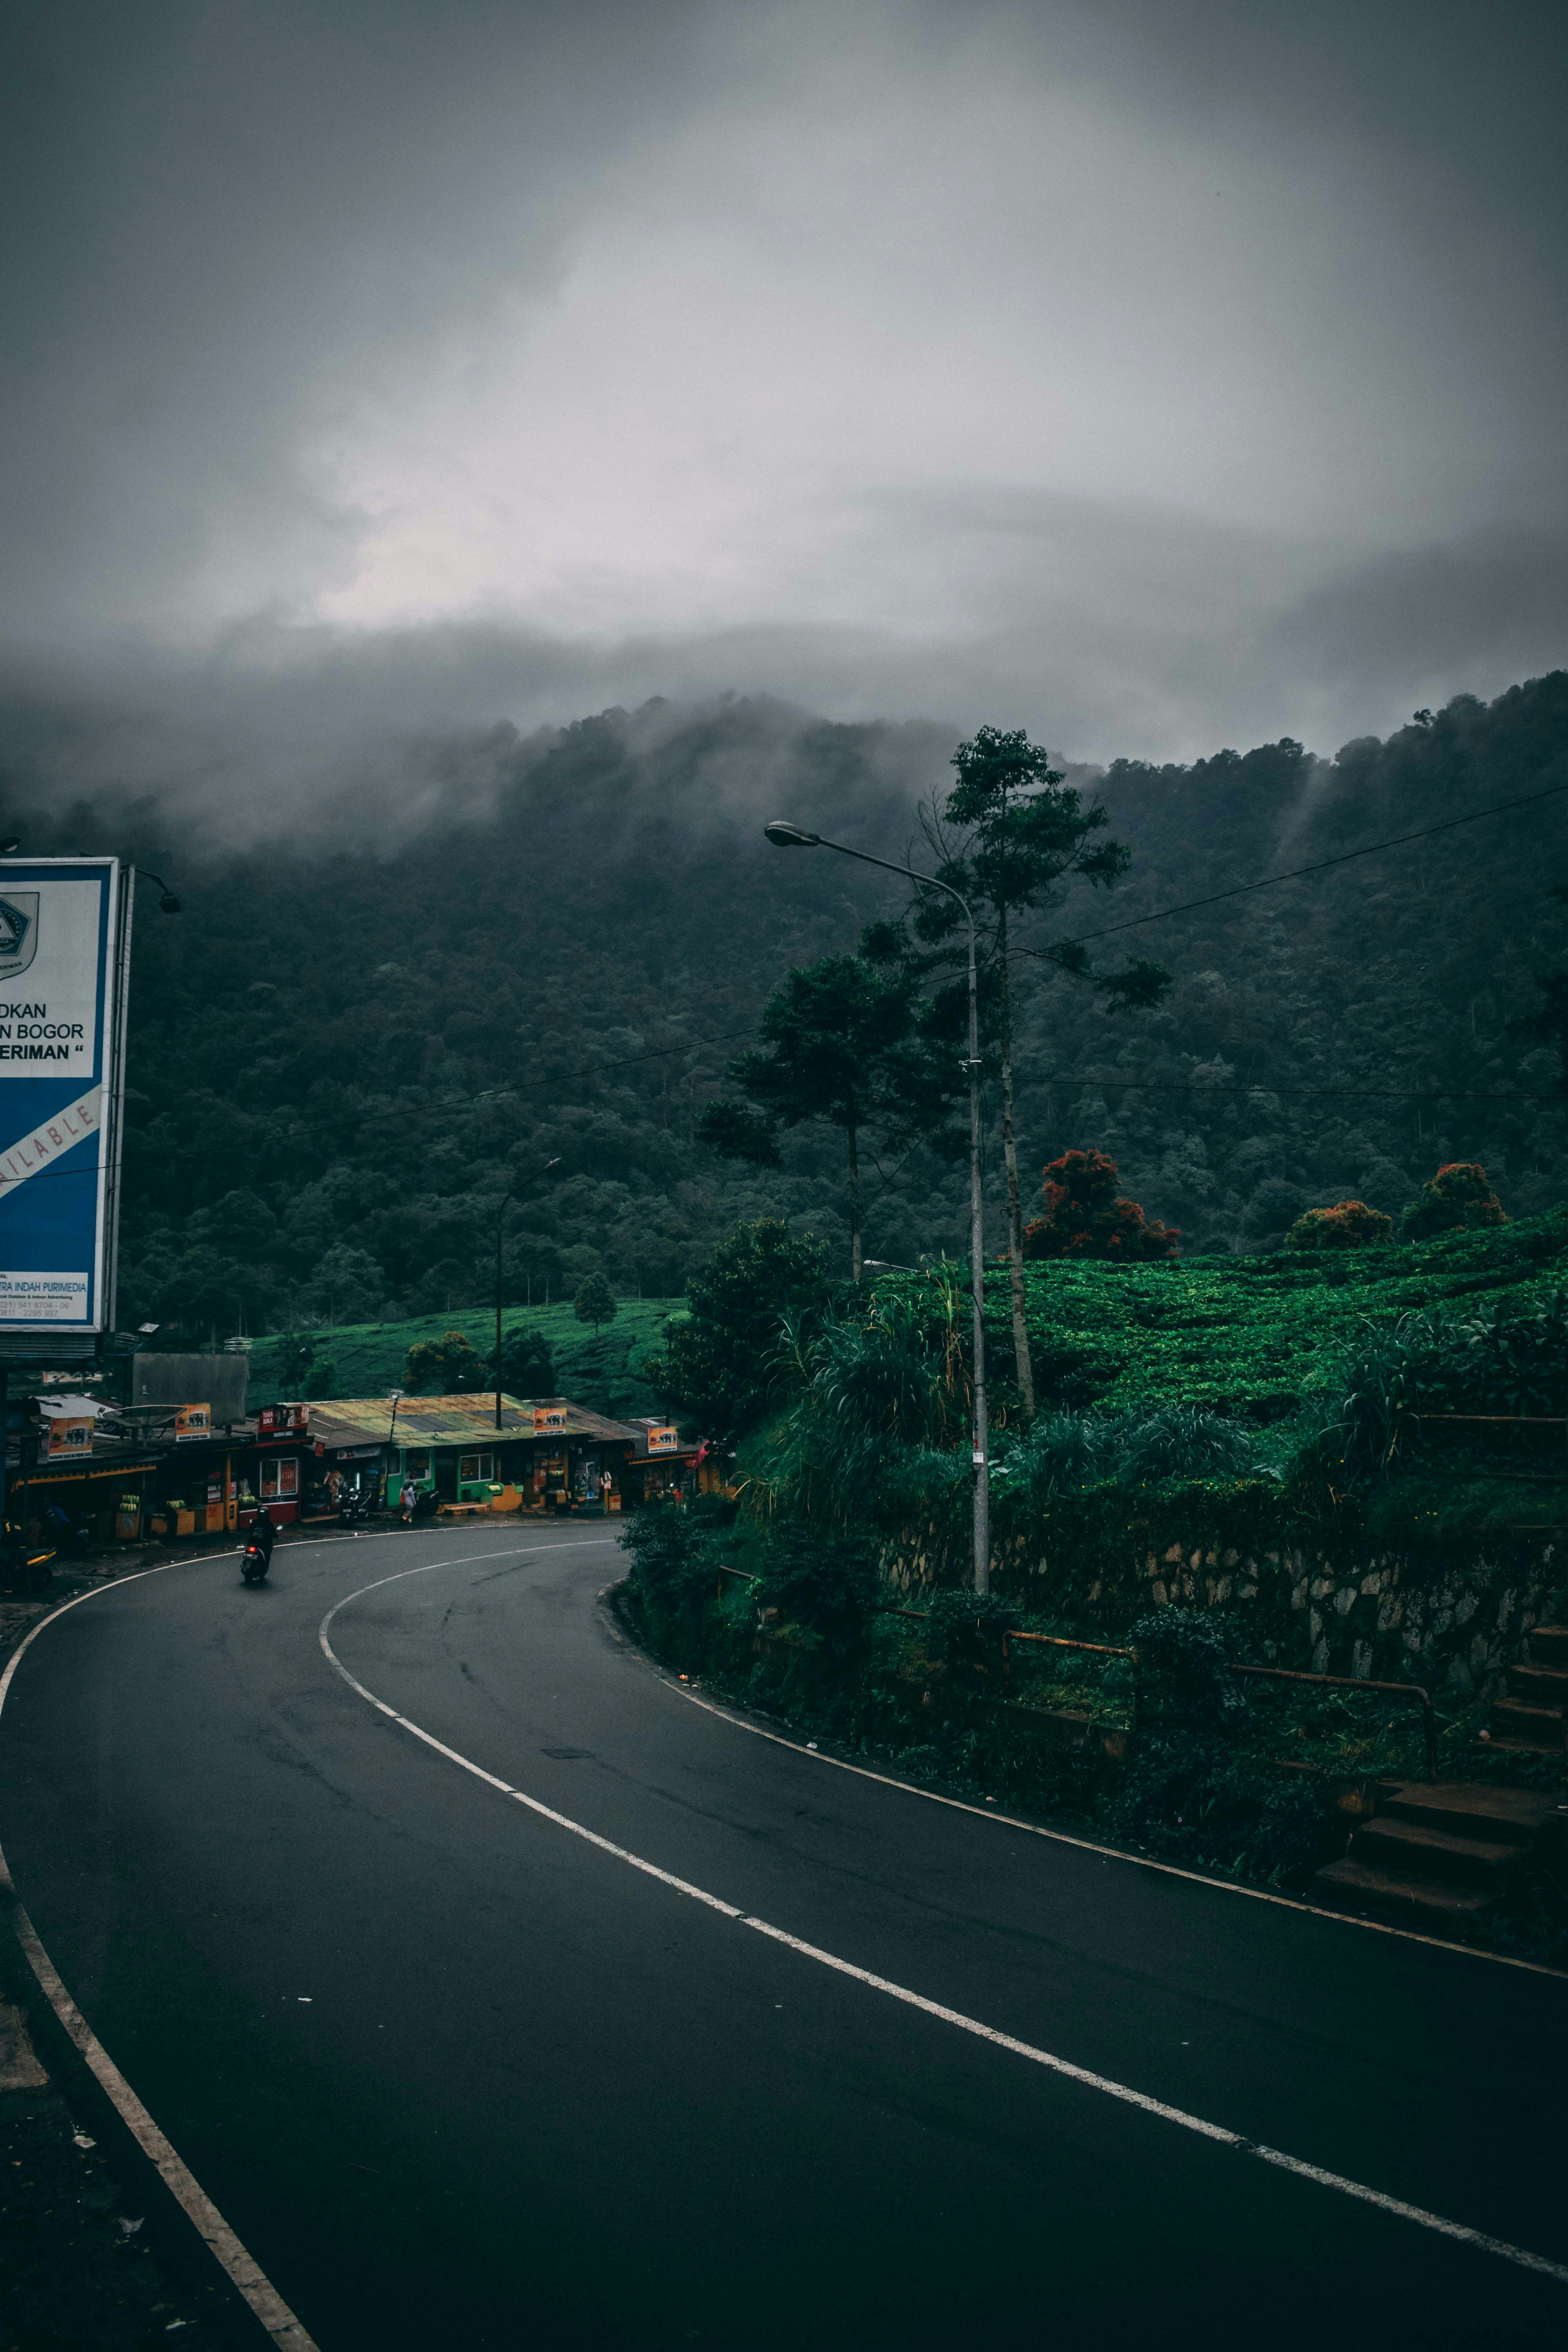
(461, 2077)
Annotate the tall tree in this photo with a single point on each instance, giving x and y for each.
(595, 1302)
(845, 1047)
(1010, 833)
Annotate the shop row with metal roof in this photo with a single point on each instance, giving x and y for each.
(168, 1470)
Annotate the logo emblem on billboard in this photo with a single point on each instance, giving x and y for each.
(18, 932)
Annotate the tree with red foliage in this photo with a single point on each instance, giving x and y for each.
(1457, 1197)
(1349, 1224)
(1087, 1219)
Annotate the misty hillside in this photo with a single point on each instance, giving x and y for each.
(341, 1056)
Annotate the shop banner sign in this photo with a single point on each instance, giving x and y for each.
(283, 1421)
(192, 1421)
(70, 1434)
(64, 959)
(548, 1417)
(662, 1441)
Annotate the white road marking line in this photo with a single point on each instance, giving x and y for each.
(1108, 1852)
(1220, 2133)
(244, 2272)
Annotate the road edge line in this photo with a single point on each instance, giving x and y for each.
(741, 1722)
(243, 2272)
(1460, 2232)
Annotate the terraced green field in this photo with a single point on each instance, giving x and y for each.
(604, 1371)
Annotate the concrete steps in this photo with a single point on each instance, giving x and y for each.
(1437, 1852)
(1531, 1717)
(1431, 1904)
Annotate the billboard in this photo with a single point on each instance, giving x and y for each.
(547, 1417)
(65, 925)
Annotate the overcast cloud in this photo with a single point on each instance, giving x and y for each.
(1153, 376)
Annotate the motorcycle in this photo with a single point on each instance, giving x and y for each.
(256, 1558)
(24, 1567)
(355, 1508)
(67, 1535)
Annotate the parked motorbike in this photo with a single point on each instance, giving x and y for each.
(65, 1534)
(256, 1558)
(426, 1504)
(24, 1567)
(355, 1508)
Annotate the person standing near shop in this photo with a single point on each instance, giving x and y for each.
(407, 1498)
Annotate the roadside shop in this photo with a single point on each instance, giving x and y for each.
(60, 1454)
(667, 1468)
(548, 1454)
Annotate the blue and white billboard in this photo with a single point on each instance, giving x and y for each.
(64, 959)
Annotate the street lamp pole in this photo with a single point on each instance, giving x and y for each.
(792, 837)
(507, 1200)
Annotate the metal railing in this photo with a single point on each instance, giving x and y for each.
(1355, 1683)
(1115, 1649)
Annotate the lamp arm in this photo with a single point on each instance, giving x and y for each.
(927, 881)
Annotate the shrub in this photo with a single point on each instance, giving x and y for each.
(1183, 1660)
(443, 1367)
(1182, 1441)
(827, 1582)
(1349, 1224)
(965, 1627)
(1287, 1842)
(1458, 1198)
(527, 1364)
(674, 1549)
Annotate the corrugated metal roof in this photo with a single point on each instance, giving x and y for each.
(449, 1420)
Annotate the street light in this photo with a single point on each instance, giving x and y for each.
(168, 902)
(500, 1225)
(784, 835)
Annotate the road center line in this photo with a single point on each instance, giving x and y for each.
(1220, 2133)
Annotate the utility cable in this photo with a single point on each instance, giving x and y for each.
(1243, 889)
(1306, 1093)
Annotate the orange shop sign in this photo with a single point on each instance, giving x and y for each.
(548, 1417)
(663, 1440)
(70, 1434)
(192, 1421)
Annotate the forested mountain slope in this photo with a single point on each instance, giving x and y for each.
(341, 1057)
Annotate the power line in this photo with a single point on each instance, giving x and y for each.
(1243, 889)
(1307, 1093)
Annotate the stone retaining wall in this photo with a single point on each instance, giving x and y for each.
(1391, 1617)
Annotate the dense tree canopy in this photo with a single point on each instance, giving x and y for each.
(347, 1045)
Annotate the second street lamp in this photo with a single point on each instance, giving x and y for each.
(784, 835)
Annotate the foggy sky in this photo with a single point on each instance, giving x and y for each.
(1151, 376)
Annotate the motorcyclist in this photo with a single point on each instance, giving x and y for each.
(263, 1534)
